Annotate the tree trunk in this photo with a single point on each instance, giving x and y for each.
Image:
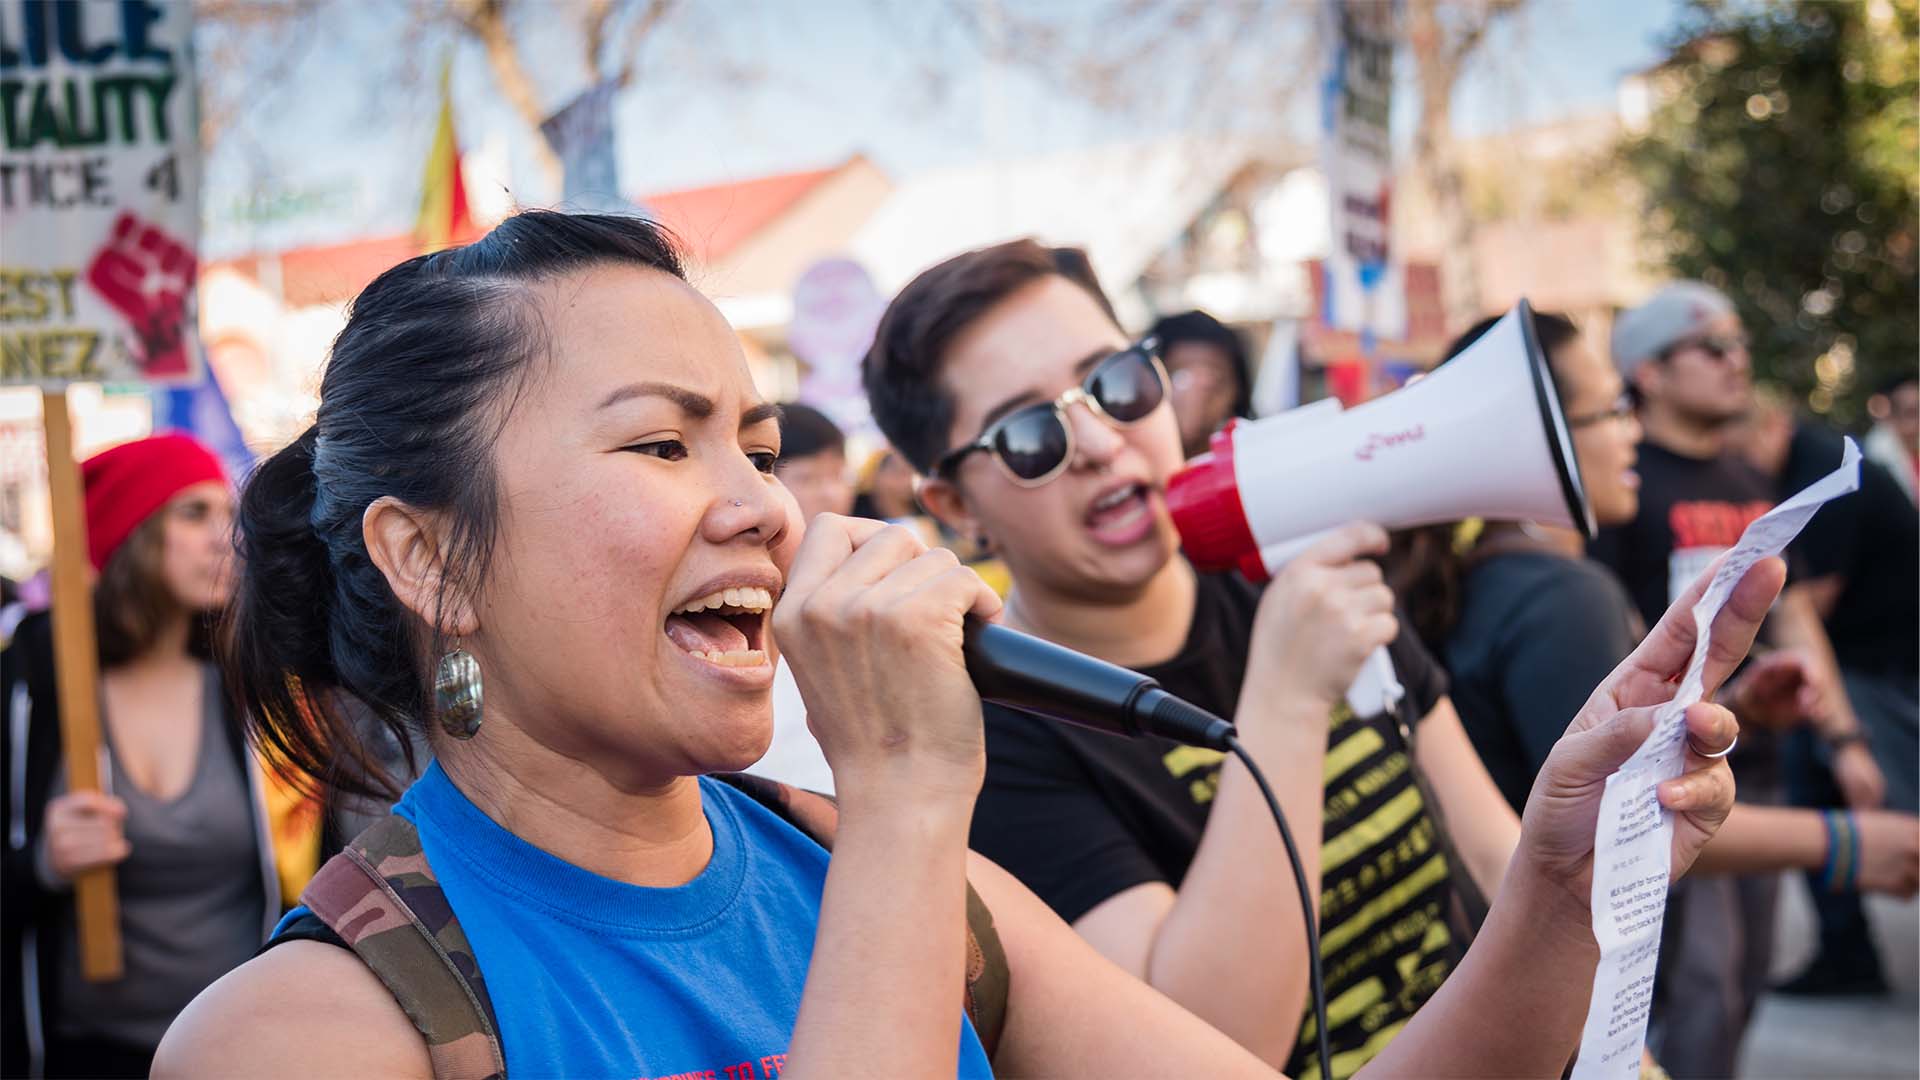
(1437, 64)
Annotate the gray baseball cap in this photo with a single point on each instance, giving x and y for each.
(1680, 310)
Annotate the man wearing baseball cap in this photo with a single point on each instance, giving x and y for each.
(1684, 356)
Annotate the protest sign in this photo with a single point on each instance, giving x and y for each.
(99, 193)
(1365, 287)
(99, 233)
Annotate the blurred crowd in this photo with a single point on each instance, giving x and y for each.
(1499, 632)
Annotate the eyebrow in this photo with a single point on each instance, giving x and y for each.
(760, 414)
(696, 405)
(693, 404)
(1080, 368)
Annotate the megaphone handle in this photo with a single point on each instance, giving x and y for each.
(1376, 688)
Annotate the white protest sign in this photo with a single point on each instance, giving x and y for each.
(1364, 288)
(1633, 840)
(99, 192)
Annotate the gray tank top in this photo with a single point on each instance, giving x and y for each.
(191, 902)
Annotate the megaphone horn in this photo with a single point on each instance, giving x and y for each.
(1482, 436)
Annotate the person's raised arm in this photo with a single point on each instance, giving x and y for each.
(1516, 1004)
(871, 624)
(1230, 945)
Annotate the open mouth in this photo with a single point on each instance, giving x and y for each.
(726, 627)
(1122, 510)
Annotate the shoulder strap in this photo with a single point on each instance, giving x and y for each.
(987, 975)
(382, 899)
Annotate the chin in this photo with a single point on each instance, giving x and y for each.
(1131, 568)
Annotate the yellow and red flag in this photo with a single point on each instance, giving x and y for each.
(445, 218)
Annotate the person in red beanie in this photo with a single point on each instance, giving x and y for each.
(181, 818)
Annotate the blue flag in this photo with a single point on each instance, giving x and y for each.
(201, 411)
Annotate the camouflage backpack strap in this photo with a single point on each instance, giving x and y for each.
(381, 897)
(987, 975)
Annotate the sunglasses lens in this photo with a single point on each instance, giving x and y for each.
(1031, 443)
(1127, 386)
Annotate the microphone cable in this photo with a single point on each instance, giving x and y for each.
(1309, 908)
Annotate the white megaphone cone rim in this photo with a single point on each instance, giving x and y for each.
(1450, 446)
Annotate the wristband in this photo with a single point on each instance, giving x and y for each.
(1825, 880)
(1841, 872)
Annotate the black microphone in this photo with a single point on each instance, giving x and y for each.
(1023, 672)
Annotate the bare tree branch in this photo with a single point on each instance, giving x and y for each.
(1439, 57)
(637, 35)
(487, 21)
(594, 37)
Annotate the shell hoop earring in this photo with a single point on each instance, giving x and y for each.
(457, 694)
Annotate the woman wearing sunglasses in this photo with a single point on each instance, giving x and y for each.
(1042, 431)
(536, 461)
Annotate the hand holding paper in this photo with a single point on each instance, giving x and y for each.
(1637, 843)
(1558, 833)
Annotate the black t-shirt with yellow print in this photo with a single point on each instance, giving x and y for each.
(1080, 816)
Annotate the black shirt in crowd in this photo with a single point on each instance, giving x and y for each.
(1872, 539)
(1081, 816)
(1691, 510)
(1537, 632)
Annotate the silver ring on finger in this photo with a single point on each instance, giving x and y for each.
(1714, 757)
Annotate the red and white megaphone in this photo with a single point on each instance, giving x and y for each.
(1483, 436)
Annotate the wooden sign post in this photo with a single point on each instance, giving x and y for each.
(97, 270)
(76, 657)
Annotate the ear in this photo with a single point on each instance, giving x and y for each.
(941, 498)
(1645, 378)
(407, 545)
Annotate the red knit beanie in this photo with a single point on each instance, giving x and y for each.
(126, 484)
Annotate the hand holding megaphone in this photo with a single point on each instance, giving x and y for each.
(1483, 436)
(1325, 613)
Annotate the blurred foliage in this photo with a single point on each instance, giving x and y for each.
(1782, 164)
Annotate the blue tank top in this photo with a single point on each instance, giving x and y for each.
(594, 977)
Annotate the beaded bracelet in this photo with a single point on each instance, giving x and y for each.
(1840, 872)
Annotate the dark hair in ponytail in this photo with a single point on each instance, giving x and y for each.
(416, 388)
(1425, 571)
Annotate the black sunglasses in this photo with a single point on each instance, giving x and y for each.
(1717, 346)
(1035, 443)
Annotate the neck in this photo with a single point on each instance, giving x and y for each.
(1553, 538)
(1687, 436)
(169, 647)
(654, 835)
(1147, 627)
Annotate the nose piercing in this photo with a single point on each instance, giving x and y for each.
(737, 502)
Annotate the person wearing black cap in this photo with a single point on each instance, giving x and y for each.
(1207, 365)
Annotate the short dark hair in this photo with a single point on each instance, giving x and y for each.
(416, 387)
(1202, 328)
(1550, 329)
(902, 369)
(1897, 380)
(806, 431)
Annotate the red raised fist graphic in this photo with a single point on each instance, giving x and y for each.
(146, 275)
